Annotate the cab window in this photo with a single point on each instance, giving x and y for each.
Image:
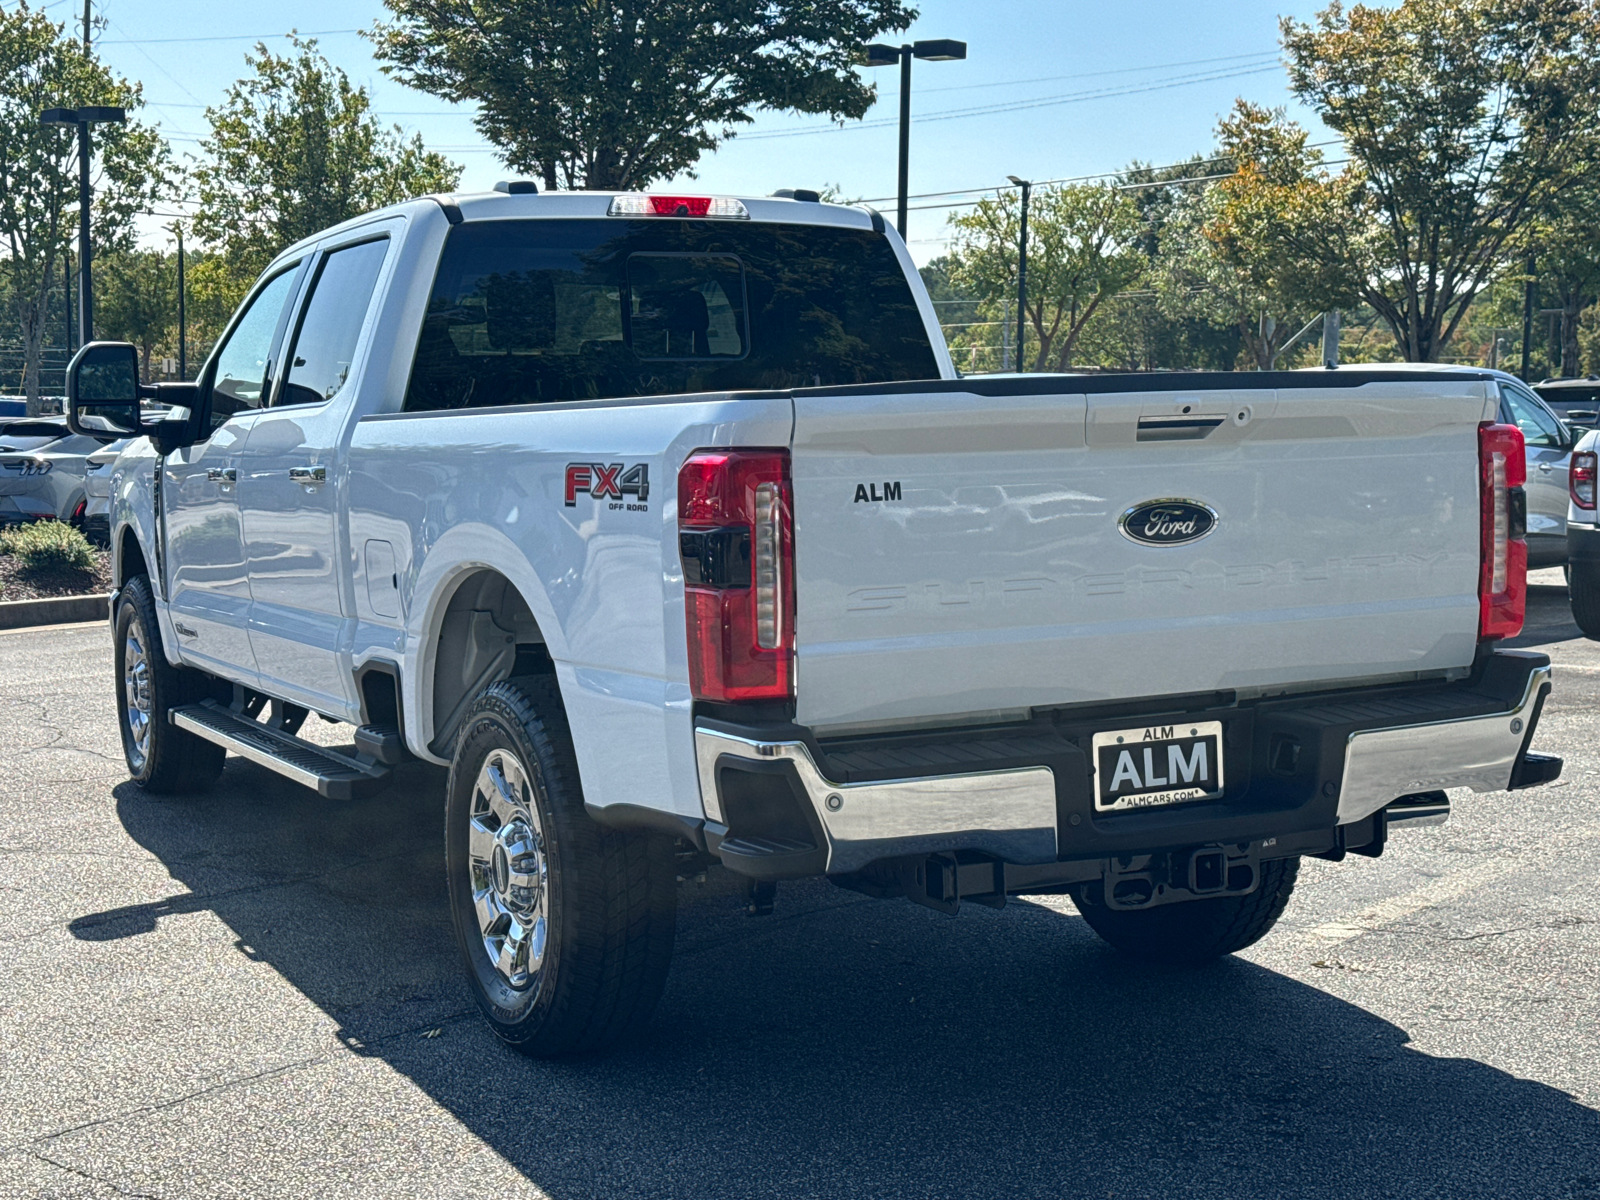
(240, 381)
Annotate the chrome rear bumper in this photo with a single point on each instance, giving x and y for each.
(1473, 752)
(1010, 814)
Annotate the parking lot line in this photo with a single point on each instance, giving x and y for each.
(1443, 890)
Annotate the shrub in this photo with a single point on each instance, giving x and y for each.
(48, 546)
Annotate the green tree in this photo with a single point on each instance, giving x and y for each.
(613, 96)
(294, 149)
(1082, 250)
(1253, 250)
(40, 68)
(136, 300)
(1461, 117)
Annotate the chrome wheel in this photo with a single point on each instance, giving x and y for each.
(136, 689)
(510, 875)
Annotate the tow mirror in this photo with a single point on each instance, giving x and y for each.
(105, 399)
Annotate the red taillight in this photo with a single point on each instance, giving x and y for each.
(1581, 479)
(1503, 569)
(736, 541)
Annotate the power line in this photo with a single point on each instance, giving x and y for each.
(232, 37)
(1016, 106)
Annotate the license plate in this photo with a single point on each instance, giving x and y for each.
(1157, 764)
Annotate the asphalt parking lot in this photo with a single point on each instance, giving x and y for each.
(255, 993)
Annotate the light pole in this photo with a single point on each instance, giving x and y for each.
(880, 55)
(1022, 270)
(83, 118)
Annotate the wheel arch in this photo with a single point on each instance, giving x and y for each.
(481, 623)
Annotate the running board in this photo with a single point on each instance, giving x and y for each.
(334, 775)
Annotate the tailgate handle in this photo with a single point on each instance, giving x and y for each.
(1176, 429)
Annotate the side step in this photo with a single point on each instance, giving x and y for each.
(334, 775)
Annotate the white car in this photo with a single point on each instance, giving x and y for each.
(97, 492)
(42, 469)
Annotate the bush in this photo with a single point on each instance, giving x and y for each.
(48, 546)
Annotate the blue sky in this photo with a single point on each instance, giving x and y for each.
(1070, 89)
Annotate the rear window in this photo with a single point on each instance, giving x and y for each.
(29, 435)
(531, 311)
(1565, 399)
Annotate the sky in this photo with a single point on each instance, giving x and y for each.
(1062, 90)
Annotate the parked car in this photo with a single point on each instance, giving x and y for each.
(1548, 441)
(665, 522)
(1575, 401)
(42, 469)
(97, 492)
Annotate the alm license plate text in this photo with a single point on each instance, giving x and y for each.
(1157, 764)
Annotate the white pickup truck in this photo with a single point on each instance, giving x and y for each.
(666, 523)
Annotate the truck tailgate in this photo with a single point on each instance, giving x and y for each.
(961, 554)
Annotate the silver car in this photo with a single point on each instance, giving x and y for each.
(42, 470)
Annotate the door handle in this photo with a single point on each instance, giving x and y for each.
(222, 475)
(1545, 467)
(309, 475)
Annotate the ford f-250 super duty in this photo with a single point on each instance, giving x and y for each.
(666, 523)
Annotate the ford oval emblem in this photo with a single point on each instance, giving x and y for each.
(1167, 522)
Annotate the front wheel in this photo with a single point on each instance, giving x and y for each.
(1196, 930)
(566, 927)
(161, 757)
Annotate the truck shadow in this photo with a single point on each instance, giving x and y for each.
(849, 1047)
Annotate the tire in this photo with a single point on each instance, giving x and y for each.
(1583, 589)
(1197, 930)
(572, 958)
(161, 758)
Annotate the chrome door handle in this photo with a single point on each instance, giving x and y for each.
(1545, 467)
(309, 475)
(222, 475)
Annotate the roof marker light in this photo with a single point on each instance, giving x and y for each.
(640, 205)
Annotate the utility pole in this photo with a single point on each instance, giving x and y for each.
(66, 283)
(1330, 338)
(1527, 317)
(1022, 273)
(183, 338)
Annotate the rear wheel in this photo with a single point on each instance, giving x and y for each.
(566, 927)
(161, 757)
(1583, 589)
(1197, 930)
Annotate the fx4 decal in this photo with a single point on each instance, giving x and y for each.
(605, 482)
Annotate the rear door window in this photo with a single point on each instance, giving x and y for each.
(1539, 427)
(531, 311)
(330, 325)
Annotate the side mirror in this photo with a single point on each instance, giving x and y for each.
(103, 390)
(106, 400)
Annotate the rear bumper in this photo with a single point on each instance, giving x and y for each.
(1305, 775)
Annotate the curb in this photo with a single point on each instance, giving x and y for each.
(55, 610)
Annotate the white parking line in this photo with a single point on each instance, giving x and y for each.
(1443, 890)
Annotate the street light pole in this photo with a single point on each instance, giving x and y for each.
(1527, 317)
(82, 119)
(1022, 272)
(879, 54)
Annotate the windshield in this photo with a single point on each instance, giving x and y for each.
(525, 311)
